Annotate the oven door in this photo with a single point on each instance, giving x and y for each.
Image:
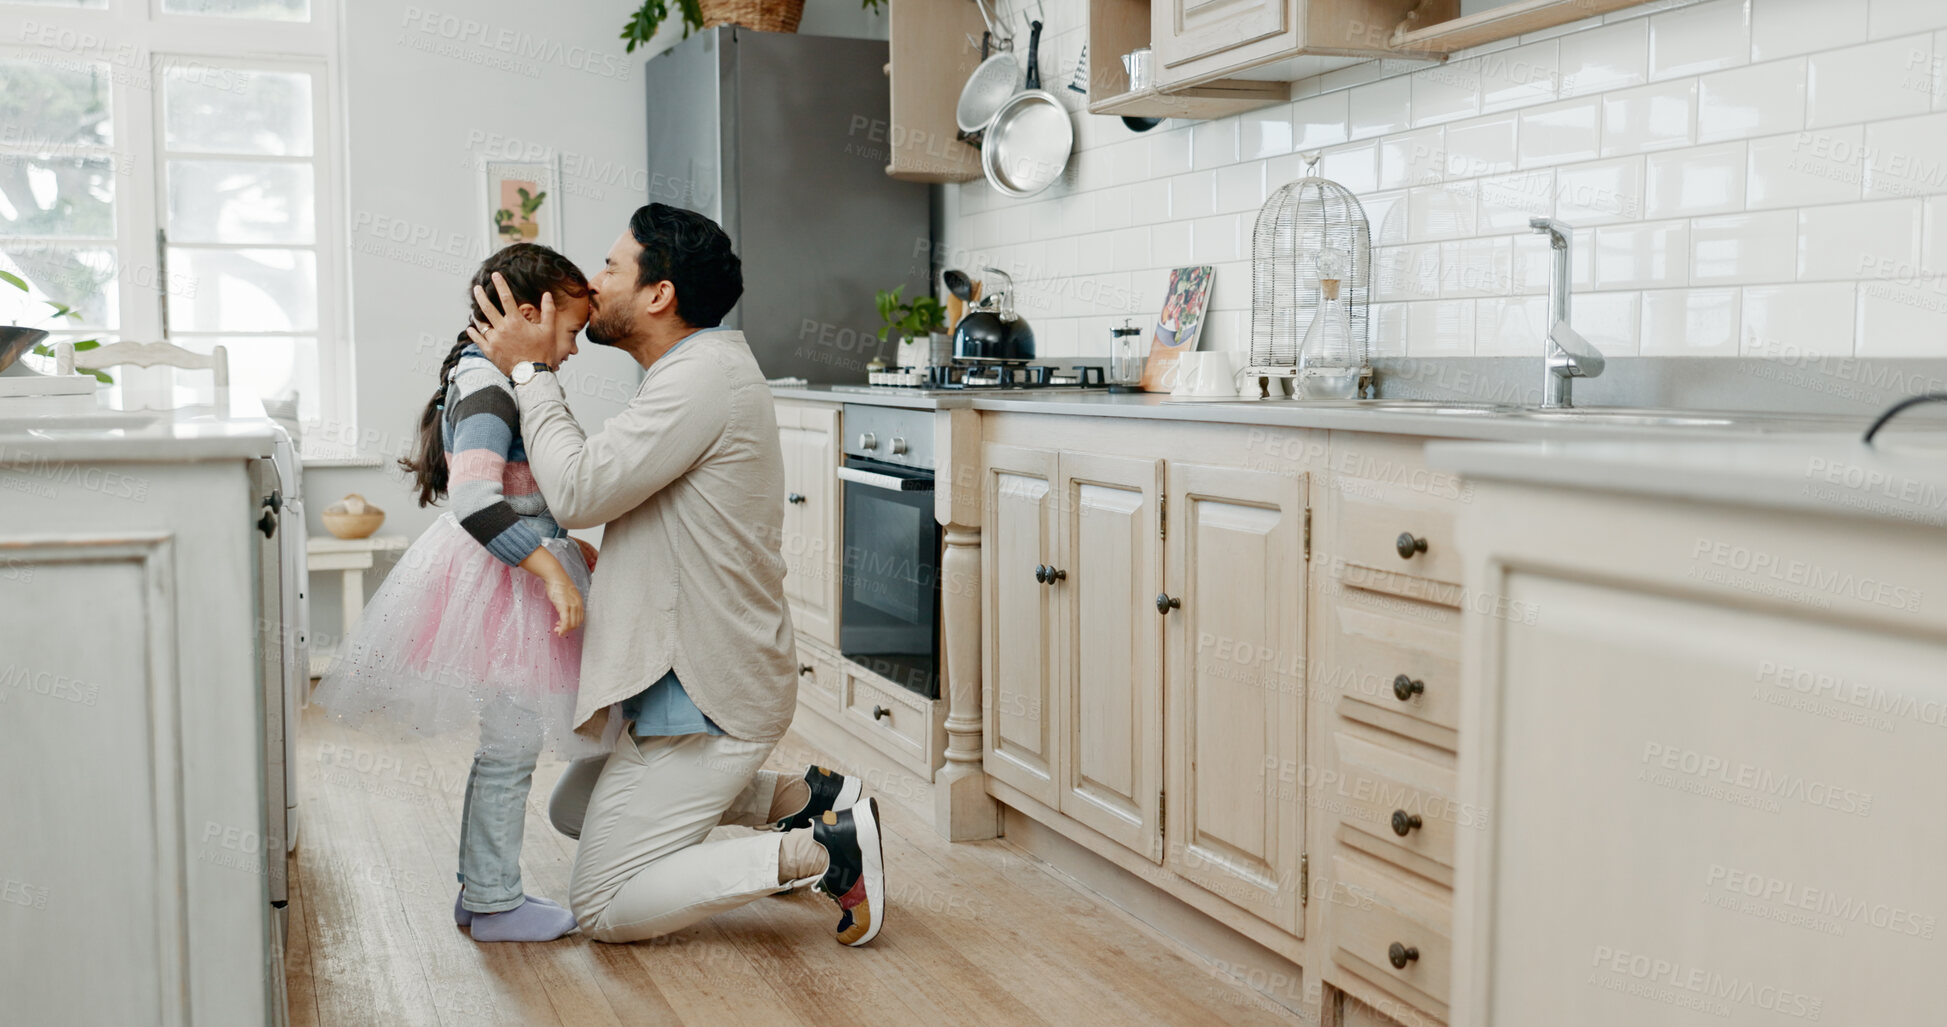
(889, 611)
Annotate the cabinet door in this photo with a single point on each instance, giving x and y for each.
(1195, 38)
(808, 434)
(1018, 667)
(1110, 689)
(1235, 652)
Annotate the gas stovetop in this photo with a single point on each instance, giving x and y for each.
(974, 377)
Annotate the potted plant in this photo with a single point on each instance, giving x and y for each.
(16, 339)
(763, 15)
(912, 322)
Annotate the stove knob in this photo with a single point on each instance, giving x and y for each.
(868, 441)
(898, 446)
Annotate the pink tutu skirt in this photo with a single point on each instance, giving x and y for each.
(456, 638)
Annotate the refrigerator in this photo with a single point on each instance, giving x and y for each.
(783, 140)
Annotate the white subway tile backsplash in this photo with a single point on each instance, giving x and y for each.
(1601, 192)
(1759, 100)
(1609, 57)
(1746, 176)
(1483, 146)
(1798, 320)
(1412, 158)
(1784, 28)
(1906, 157)
(1560, 132)
(1654, 117)
(1446, 93)
(1691, 322)
(1381, 107)
(1647, 255)
(1736, 249)
(1879, 239)
(1703, 37)
(1868, 83)
(1520, 76)
(1320, 121)
(1899, 17)
(1786, 171)
(1699, 180)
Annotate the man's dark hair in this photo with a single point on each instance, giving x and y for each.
(692, 253)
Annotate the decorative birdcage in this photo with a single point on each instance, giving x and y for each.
(1301, 220)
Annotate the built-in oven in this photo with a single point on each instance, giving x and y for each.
(889, 610)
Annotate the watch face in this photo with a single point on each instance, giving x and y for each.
(523, 373)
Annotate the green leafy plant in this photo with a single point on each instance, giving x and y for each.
(911, 320)
(874, 5)
(642, 25)
(524, 228)
(58, 311)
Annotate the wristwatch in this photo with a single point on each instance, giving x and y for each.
(525, 371)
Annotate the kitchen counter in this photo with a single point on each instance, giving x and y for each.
(1379, 416)
(236, 429)
(1903, 477)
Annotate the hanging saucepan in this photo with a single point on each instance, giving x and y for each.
(991, 84)
(1027, 144)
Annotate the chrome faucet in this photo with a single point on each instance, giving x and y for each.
(1565, 355)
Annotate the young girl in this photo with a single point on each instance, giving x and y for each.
(479, 620)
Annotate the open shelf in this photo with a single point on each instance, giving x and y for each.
(1508, 20)
(1210, 100)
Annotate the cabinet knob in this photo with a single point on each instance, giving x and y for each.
(1405, 688)
(1407, 545)
(1055, 574)
(1164, 604)
(803, 669)
(1405, 823)
(795, 498)
(1400, 955)
(868, 441)
(880, 713)
(1041, 574)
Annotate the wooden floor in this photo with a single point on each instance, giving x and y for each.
(975, 933)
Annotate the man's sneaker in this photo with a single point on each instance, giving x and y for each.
(831, 791)
(856, 877)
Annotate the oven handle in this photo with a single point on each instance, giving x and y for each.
(889, 482)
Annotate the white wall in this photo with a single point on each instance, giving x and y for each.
(432, 90)
(1756, 177)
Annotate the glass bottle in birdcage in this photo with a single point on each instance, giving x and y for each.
(1302, 222)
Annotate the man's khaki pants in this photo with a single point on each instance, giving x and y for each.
(643, 813)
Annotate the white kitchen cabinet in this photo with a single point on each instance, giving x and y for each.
(1711, 756)
(1198, 40)
(808, 434)
(1235, 578)
(1020, 643)
(142, 856)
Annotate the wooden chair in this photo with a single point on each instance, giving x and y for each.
(143, 354)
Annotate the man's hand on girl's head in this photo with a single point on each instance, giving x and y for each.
(508, 338)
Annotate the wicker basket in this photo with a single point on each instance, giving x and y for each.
(762, 15)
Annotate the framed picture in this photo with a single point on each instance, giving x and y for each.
(1178, 327)
(523, 203)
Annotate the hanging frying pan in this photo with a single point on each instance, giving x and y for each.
(989, 86)
(1027, 144)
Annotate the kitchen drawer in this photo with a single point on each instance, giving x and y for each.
(1397, 806)
(1378, 639)
(820, 681)
(899, 724)
(1373, 910)
(1374, 535)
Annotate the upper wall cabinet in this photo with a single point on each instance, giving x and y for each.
(1437, 27)
(929, 57)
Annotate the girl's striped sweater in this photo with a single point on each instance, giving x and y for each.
(492, 491)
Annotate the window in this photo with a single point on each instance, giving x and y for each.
(165, 190)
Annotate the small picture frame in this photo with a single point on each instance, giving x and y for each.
(1178, 327)
(522, 201)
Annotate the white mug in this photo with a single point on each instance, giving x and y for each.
(1205, 374)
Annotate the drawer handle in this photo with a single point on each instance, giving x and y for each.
(880, 713)
(1164, 603)
(795, 498)
(1405, 688)
(803, 669)
(1400, 955)
(1408, 544)
(1405, 823)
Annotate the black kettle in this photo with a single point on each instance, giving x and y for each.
(992, 333)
